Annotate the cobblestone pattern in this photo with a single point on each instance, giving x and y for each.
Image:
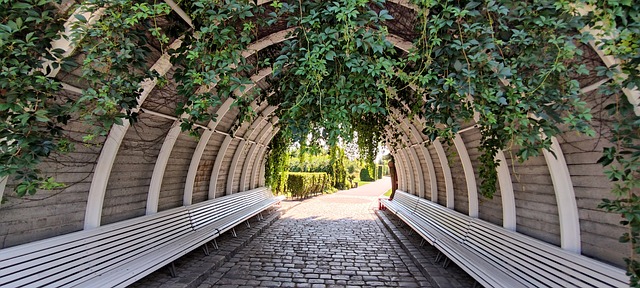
(424, 256)
(195, 267)
(330, 241)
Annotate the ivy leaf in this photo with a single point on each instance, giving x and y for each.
(330, 55)
(80, 18)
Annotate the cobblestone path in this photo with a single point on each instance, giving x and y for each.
(328, 241)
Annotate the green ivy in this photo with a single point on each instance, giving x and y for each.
(32, 111)
(211, 57)
(116, 51)
(510, 64)
(617, 25)
(333, 74)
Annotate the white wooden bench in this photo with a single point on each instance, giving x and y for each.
(214, 217)
(537, 264)
(497, 257)
(118, 254)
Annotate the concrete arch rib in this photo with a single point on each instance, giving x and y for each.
(416, 140)
(252, 180)
(418, 171)
(236, 157)
(399, 170)
(403, 184)
(433, 182)
(565, 197)
(216, 166)
(153, 197)
(234, 164)
(472, 189)
(506, 192)
(93, 212)
(446, 171)
(251, 156)
(197, 154)
(262, 159)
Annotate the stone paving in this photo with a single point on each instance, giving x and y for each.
(328, 241)
(337, 240)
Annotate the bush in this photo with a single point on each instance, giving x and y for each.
(301, 184)
(379, 172)
(364, 175)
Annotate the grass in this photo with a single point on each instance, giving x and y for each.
(361, 183)
(388, 193)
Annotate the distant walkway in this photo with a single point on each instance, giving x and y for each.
(329, 240)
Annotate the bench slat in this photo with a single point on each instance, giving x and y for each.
(119, 254)
(497, 257)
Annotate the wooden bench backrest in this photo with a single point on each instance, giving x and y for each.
(72, 258)
(405, 199)
(451, 222)
(208, 212)
(537, 263)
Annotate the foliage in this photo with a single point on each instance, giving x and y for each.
(211, 57)
(334, 164)
(116, 51)
(331, 77)
(365, 174)
(337, 168)
(305, 184)
(277, 163)
(508, 64)
(32, 112)
(617, 25)
(310, 163)
(379, 171)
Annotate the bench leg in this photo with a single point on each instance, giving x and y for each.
(248, 224)
(446, 263)
(205, 248)
(260, 217)
(233, 232)
(215, 243)
(438, 256)
(475, 283)
(410, 231)
(172, 270)
(422, 242)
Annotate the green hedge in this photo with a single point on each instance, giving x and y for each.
(379, 172)
(364, 175)
(304, 184)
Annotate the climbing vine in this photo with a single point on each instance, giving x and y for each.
(332, 77)
(212, 67)
(116, 51)
(617, 26)
(509, 67)
(32, 111)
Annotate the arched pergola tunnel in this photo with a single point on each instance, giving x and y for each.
(153, 166)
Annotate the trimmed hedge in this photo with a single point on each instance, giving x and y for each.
(364, 175)
(305, 184)
(379, 174)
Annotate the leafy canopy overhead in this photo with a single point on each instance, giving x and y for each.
(512, 68)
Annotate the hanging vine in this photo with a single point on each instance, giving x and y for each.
(332, 76)
(509, 66)
(617, 25)
(32, 112)
(505, 63)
